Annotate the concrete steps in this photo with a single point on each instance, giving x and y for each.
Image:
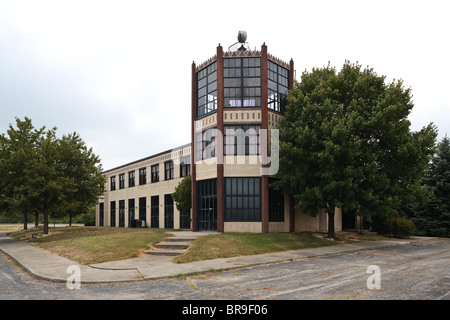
(173, 246)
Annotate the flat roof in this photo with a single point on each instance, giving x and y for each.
(147, 158)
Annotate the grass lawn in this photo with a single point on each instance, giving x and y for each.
(227, 245)
(87, 245)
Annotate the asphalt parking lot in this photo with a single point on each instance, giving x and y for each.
(415, 271)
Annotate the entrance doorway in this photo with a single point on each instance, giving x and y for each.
(207, 205)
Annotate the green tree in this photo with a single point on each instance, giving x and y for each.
(49, 175)
(182, 194)
(345, 141)
(17, 149)
(433, 217)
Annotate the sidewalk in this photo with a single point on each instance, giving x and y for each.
(47, 266)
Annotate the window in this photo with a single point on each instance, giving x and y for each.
(154, 202)
(101, 214)
(122, 181)
(131, 179)
(242, 199)
(113, 183)
(131, 211)
(113, 214)
(155, 173)
(185, 166)
(205, 144)
(242, 82)
(142, 208)
(121, 213)
(276, 204)
(207, 90)
(168, 211)
(168, 170)
(278, 87)
(242, 140)
(142, 176)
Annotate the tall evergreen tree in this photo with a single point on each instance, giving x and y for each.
(433, 218)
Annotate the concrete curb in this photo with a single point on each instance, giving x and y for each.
(45, 266)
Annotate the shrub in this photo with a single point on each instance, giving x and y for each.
(403, 227)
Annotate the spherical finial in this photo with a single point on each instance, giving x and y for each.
(242, 36)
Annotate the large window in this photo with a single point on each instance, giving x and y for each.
(154, 212)
(101, 210)
(205, 144)
(242, 199)
(131, 179)
(131, 211)
(112, 214)
(122, 181)
(168, 170)
(142, 176)
(168, 211)
(121, 213)
(155, 173)
(242, 140)
(207, 90)
(242, 82)
(278, 87)
(185, 166)
(113, 183)
(143, 208)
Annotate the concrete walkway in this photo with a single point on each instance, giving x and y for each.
(47, 266)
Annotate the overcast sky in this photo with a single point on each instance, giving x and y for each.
(119, 72)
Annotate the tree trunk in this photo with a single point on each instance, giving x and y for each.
(36, 219)
(331, 233)
(70, 219)
(45, 221)
(25, 220)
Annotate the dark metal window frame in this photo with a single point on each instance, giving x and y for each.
(185, 166)
(155, 173)
(206, 205)
(112, 211)
(154, 211)
(131, 179)
(233, 144)
(142, 176)
(113, 183)
(205, 140)
(207, 90)
(242, 82)
(121, 213)
(101, 211)
(131, 211)
(278, 85)
(168, 170)
(122, 181)
(243, 199)
(168, 211)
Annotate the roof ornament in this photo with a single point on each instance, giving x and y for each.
(242, 38)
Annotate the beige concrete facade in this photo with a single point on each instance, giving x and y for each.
(147, 190)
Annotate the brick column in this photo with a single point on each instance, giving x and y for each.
(264, 126)
(193, 167)
(219, 139)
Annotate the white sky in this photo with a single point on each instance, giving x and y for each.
(119, 72)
